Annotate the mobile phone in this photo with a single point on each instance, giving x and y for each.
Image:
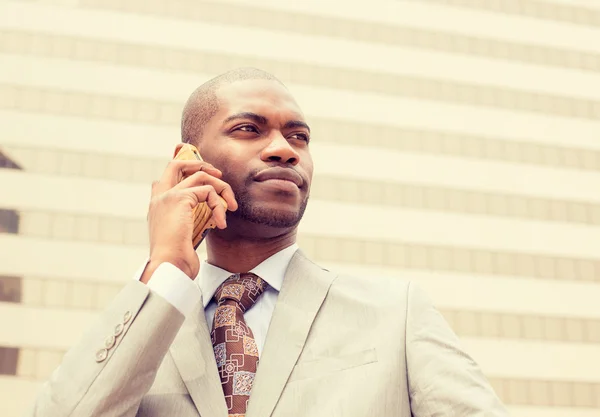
(203, 216)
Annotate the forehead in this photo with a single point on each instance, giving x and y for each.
(264, 97)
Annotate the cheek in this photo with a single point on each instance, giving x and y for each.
(309, 173)
(225, 163)
(232, 178)
(237, 178)
(308, 169)
(230, 158)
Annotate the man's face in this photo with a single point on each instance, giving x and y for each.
(259, 140)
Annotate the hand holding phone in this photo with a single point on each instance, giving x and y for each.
(203, 216)
(188, 201)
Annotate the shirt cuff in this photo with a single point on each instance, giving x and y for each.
(173, 285)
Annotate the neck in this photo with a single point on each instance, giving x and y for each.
(242, 254)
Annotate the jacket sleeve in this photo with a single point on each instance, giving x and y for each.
(443, 379)
(114, 364)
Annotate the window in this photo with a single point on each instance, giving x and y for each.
(9, 221)
(9, 357)
(11, 289)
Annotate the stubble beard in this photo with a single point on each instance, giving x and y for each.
(252, 211)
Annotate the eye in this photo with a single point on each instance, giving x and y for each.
(247, 128)
(300, 136)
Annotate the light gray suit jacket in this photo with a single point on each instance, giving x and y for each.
(336, 346)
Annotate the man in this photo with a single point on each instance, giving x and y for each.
(261, 331)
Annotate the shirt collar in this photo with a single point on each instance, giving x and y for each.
(272, 270)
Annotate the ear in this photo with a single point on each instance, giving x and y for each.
(177, 148)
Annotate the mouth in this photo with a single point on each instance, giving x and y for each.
(281, 176)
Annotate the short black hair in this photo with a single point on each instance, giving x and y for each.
(203, 104)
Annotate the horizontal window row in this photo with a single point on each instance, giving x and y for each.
(116, 230)
(574, 14)
(84, 295)
(451, 144)
(115, 167)
(57, 293)
(363, 31)
(87, 228)
(443, 199)
(31, 363)
(516, 326)
(543, 393)
(39, 363)
(301, 73)
(448, 258)
(67, 103)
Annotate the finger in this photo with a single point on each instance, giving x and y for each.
(218, 210)
(220, 186)
(177, 170)
(207, 194)
(229, 197)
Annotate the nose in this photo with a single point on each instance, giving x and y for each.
(280, 150)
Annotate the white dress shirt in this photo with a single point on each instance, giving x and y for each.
(177, 288)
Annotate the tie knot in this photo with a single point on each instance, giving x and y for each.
(244, 289)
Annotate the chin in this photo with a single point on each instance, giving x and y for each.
(276, 215)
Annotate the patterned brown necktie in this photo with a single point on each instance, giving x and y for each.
(233, 342)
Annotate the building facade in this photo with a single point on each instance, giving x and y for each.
(456, 143)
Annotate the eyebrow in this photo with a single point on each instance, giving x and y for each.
(247, 115)
(256, 118)
(296, 123)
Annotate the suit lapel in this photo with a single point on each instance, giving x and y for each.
(193, 354)
(303, 291)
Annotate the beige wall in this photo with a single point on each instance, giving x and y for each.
(455, 142)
